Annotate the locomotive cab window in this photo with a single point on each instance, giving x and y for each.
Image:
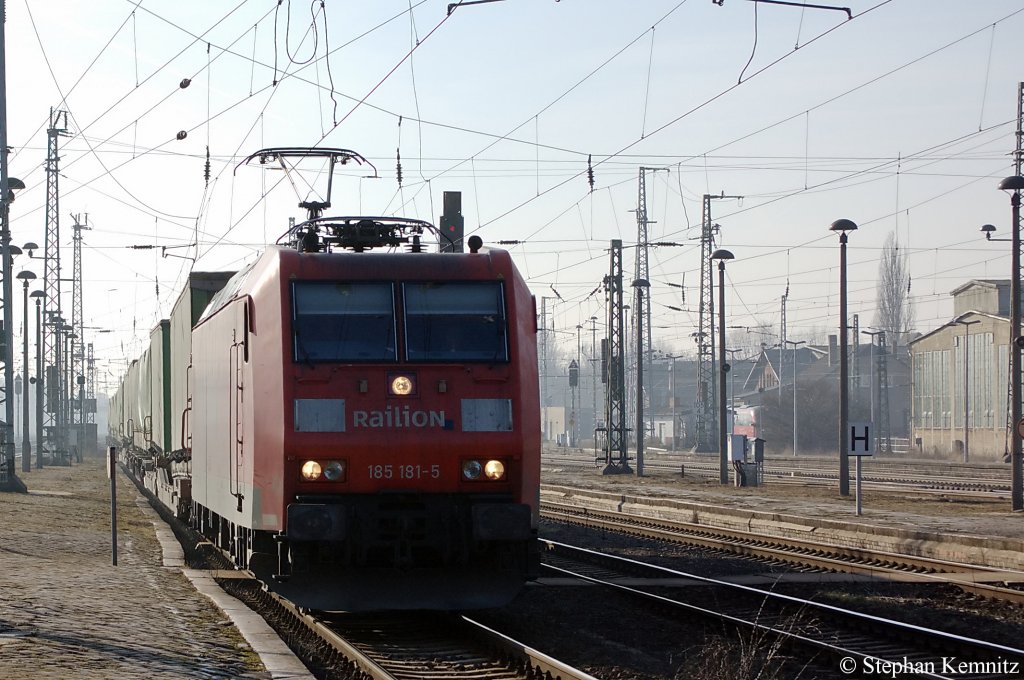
(349, 322)
(455, 321)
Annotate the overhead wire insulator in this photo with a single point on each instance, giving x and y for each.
(590, 173)
(398, 166)
(206, 171)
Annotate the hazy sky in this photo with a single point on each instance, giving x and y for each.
(901, 119)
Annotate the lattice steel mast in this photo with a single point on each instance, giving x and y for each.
(52, 426)
(645, 344)
(616, 455)
(77, 358)
(706, 435)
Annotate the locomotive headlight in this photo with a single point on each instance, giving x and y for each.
(471, 469)
(334, 470)
(311, 470)
(494, 470)
(402, 385)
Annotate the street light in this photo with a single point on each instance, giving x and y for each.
(1015, 184)
(794, 343)
(26, 444)
(723, 455)
(39, 296)
(843, 226)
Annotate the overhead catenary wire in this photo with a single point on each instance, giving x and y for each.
(478, 171)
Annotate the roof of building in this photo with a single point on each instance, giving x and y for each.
(954, 323)
(984, 283)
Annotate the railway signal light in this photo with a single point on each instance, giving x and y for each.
(452, 224)
(453, 230)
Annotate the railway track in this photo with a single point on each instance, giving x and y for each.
(413, 646)
(977, 580)
(946, 479)
(856, 643)
(421, 646)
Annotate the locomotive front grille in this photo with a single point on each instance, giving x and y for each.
(401, 530)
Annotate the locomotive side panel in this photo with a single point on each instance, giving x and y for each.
(268, 318)
(524, 311)
(216, 458)
(225, 358)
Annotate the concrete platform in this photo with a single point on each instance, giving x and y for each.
(67, 612)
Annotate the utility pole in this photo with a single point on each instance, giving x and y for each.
(1016, 454)
(704, 404)
(51, 284)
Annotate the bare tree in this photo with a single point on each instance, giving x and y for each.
(895, 313)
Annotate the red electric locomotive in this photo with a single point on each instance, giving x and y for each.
(364, 426)
(361, 430)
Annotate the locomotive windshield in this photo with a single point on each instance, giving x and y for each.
(455, 321)
(344, 322)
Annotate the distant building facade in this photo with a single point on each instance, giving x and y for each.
(961, 375)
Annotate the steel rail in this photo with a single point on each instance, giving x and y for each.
(940, 639)
(799, 551)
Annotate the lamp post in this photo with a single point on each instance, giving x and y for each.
(39, 295)
(723, 368)
(843, 226)
(794, 343)
(26, 444)
(1015, 184)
